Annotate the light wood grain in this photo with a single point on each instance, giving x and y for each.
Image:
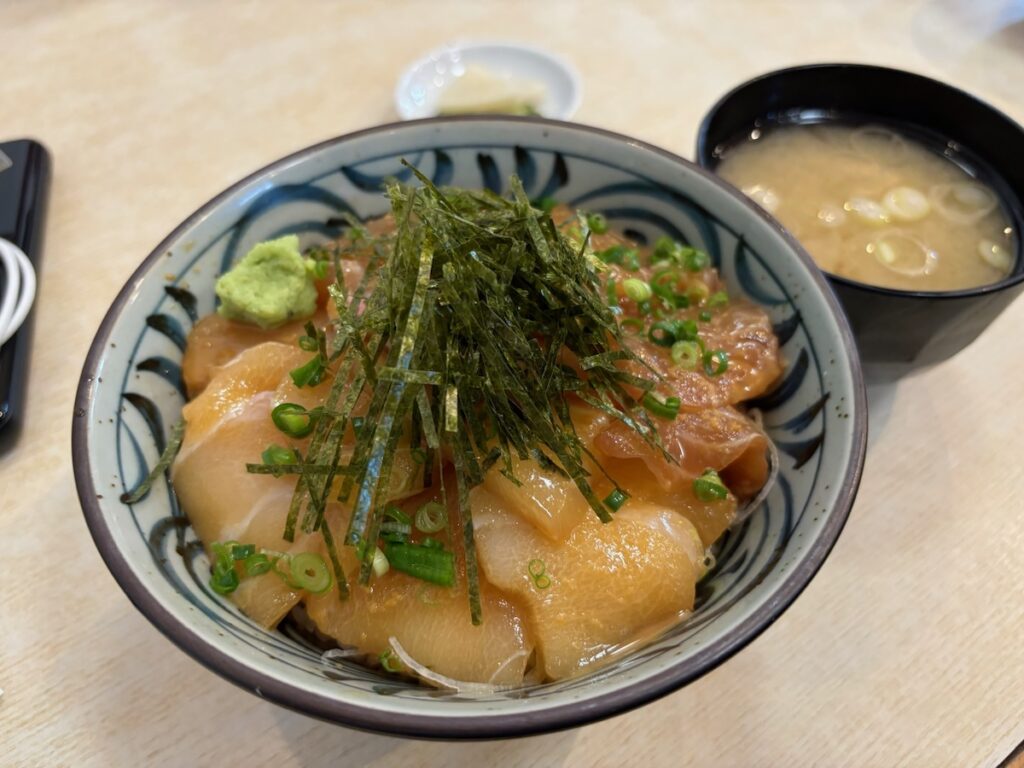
(904, 650)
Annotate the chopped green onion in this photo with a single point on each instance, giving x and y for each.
(686, 354)
(597, 223)
(692, 260)
(310, 374)
(622, 255)
(293, 419)
(704, 316)
(538, 573)
(709, 486)
(432, 543)
(612, 255)
(310, 572)
(257, 564)
(242, 551)
(431, 517)
(665, 333)
(666, 276)
(664, 248)
(380, 562)
(276, 454)
(637, 289)
(224, 581)
(222, 552)
(396, 526)
(633, 323)
(697, 292)
(662, 333)
(397, 515)
(669, 296)
(695, 261)
(686, 330)
(427, 563)
(616, 499)
(716, 362)
(667, 409)
(394, 531)
(546, 204)
(317, 263)
(308, 344)
(390, 662)
(718, 299)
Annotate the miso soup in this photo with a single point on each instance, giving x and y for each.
(876, 206)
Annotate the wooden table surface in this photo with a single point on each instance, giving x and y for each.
(904, 650)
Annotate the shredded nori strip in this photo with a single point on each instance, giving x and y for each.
(461, 339)
(162, 465)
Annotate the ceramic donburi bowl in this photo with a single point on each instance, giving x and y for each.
(131, 392)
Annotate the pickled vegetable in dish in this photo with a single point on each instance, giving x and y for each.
(877, 206)
(498, 452)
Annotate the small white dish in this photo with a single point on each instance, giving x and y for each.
(421, 85)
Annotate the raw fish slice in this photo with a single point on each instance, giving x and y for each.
(225, 503)
(432, 623)
(722, 439)
(744, 332)
(257, 369)
(610, 583)
(214, 341)
(550, 501)
(227, 426)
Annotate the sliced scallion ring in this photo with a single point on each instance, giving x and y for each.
(716, 362)
(293, 419)
(709, 486)
(637, 289)
(310, 572)
(431, 517)
(686, 354)
(666, 409)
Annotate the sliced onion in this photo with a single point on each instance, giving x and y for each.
(505, 663)
(866, 140)
(906, 204)
(867, 210)
(886, 251)
(439, 680)
(763, 196)
(964, 202)
(831, 215)
(995, 255)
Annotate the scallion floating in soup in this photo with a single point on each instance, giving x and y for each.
(876, 206)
